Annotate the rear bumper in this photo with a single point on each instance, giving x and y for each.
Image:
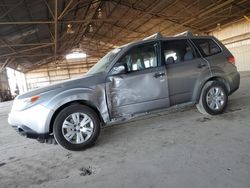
(234, 82)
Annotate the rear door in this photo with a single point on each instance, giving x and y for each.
(143, 87)
(185, 68)
(212, 52)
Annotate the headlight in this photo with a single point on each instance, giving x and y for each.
(21, 104)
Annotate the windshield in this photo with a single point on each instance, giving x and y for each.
(104, 62)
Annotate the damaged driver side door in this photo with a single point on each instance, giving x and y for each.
(137, 83)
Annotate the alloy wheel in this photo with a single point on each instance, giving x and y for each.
(77, 128)
(215, 98)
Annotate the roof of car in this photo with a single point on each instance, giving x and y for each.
(157, 36)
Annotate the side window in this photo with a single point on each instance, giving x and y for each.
(140, 58)
(207, 46)
(176, 51)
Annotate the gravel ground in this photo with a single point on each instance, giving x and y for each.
(172, 149)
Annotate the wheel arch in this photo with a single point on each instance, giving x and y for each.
(82, 102)
(214, 78)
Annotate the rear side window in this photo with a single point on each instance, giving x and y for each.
(177, 51)
(207, 47)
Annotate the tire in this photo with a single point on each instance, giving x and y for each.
(219, 101)
(70, 134)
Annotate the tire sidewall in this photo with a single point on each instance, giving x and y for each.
(57, 128)
(204, 101)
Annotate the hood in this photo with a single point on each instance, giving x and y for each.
(83, 82)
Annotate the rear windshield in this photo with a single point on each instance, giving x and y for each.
(207, 47)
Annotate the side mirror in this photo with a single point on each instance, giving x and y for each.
(119, 69)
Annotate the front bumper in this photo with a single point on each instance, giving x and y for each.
(32, 122)
(29, 133)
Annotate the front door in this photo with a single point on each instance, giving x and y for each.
(142, 88)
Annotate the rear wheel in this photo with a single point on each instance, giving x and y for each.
(76, 127)
(213, 98)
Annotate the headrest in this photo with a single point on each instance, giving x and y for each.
(188, 56)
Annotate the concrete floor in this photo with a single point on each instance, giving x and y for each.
(170, 149)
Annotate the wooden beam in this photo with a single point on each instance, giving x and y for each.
(26, 22)
(50, 11)
(208, 26)
(247, 18)
(32, 55)
(90, 17)
(26, 50)
(6, 62)
(140, 15)
(110, 13)
(11, 9)
(211, 8)
(71, 42)
(65, 10)
(82, 25)
(155, 15)
(21, 45)
(87, 21)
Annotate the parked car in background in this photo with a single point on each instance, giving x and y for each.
(137, 78)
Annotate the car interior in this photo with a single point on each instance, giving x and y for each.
(139, 59)
(176, 52)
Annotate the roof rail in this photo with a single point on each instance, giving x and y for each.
(154, 36)
(185, 33)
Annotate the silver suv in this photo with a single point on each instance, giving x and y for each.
(137, 78)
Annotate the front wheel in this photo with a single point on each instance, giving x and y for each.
(76, 127)
(213, 98)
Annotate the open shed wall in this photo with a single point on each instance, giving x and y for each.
(236, 37)
(57, 72)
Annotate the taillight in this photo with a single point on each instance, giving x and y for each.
(231, 60)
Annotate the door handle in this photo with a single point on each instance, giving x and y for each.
(159, 74)
(201, 65)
